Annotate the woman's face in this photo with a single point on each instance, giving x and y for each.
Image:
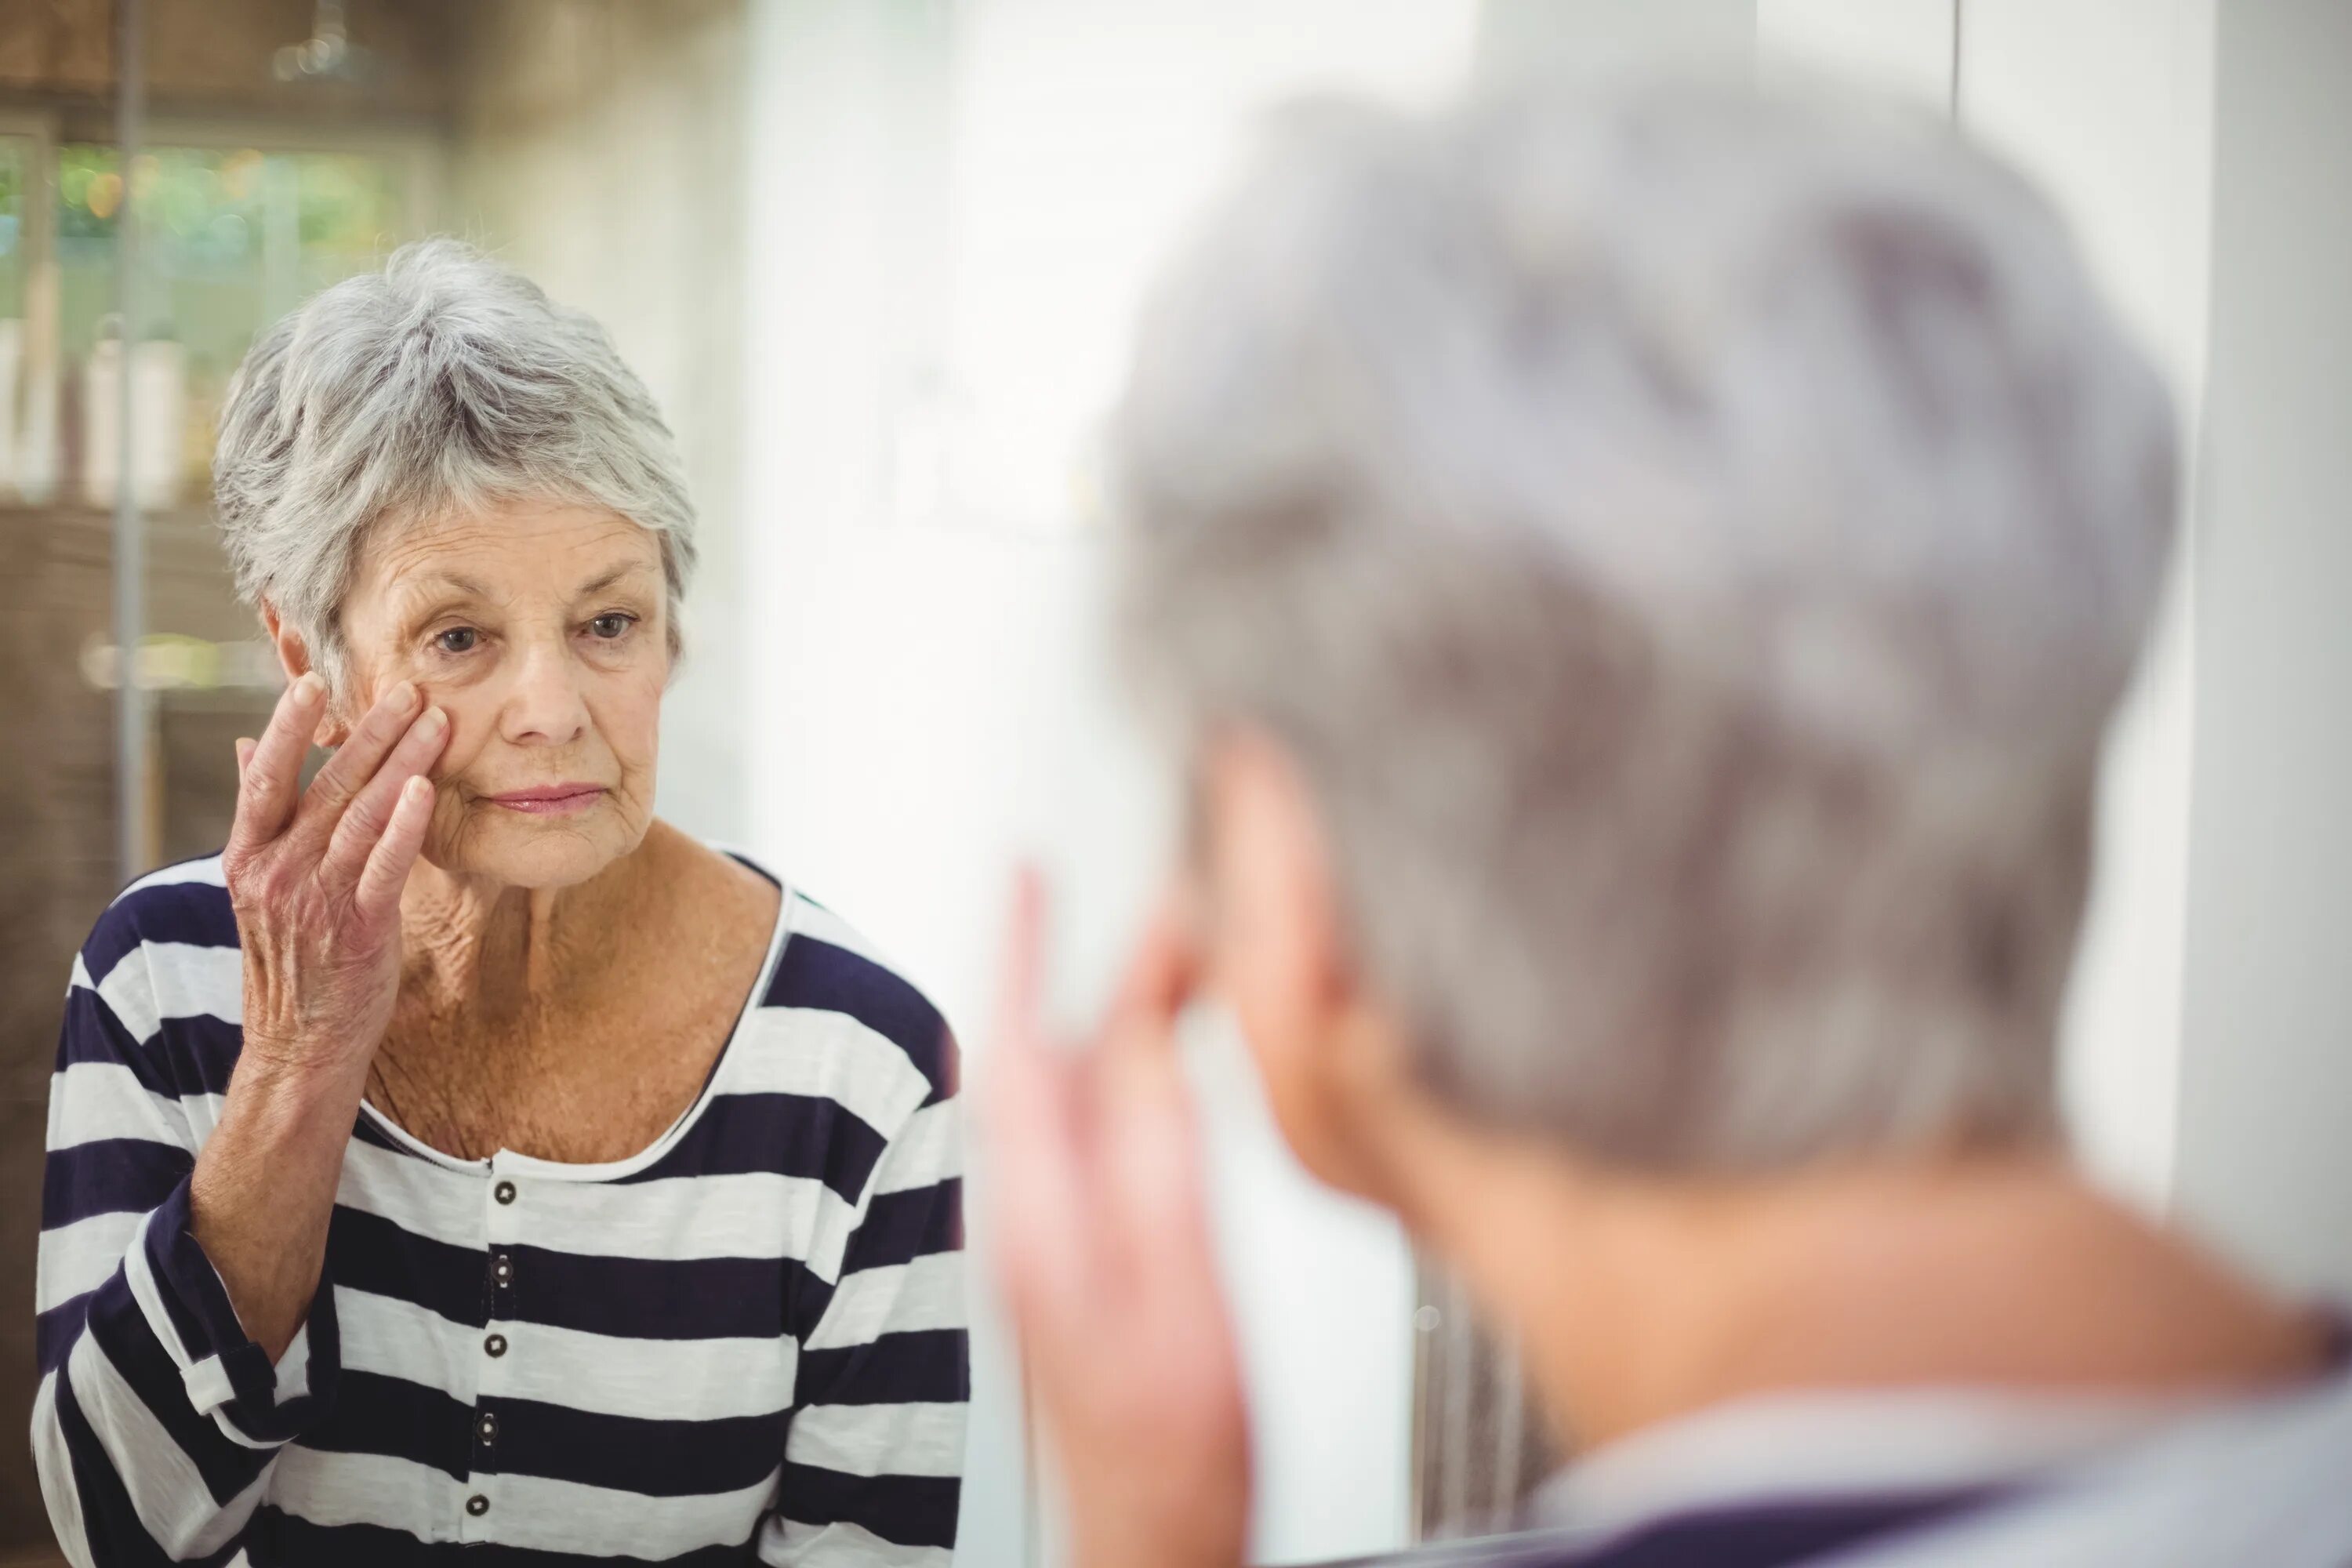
(540, 628)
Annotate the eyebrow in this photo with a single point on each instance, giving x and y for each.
(628, 569)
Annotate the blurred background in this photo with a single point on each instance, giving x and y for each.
(878, 259)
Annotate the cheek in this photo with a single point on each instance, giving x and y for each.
(627, 708)
(470, 726)
(352, 700)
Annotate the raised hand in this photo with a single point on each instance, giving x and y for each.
(316, 875)
(1103, 1244)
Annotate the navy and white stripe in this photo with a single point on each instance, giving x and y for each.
(746, 1343)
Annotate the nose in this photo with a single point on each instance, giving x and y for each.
(545, 705)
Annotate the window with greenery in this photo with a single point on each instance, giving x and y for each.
(230, 238)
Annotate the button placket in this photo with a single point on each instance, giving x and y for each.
(486, 1438)
(500, 1227)
(477, 1491)
(501, 1273)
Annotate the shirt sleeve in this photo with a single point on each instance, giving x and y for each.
(157, 1417)
(874, 1458)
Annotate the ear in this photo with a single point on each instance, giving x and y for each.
(1334, 1054)
(1280, 956)
(1269, 868)
(294, 659)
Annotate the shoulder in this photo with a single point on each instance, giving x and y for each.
(183, 906)
(828, 969)
(162, 961)
(828, 966)
(2259, 1479)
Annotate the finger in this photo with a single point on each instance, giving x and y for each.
(243, 756)
(1034, 1201)
(1140, 1018)
(1066, 1074)
(1043, 1242)
(1160, 977)
(1151, 1156)
(273, 770)
(363, 822)
(378, 893)
(1152, 1172)
(1019, 984)
(354, 763)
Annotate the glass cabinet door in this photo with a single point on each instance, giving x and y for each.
(228, 239)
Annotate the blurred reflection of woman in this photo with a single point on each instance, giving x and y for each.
(463, 1156)
(1641, 578)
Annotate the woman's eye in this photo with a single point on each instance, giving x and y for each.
(458, 639)
(612, 625)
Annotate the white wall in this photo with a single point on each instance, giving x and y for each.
(952, 216)
(1536, 37)
(2265, 1148)
(1904, 48)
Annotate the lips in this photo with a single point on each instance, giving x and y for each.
(551, 800)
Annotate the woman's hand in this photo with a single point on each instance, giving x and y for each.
(1102, 1239)
(315, 877)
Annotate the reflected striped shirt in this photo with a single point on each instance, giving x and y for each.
(1959, 1477)
(744, 1344)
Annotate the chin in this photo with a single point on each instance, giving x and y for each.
(522, 853)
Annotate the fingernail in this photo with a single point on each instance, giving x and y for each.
(417, 787)
(434, 721)
(244, 751)
(404, 696)
(310, 687)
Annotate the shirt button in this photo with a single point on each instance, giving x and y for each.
(504, 1191)
(477, 1505)
(486, 1428)
(502, 1269)
(494, 1345)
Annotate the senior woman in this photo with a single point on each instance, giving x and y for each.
(463, 1158)
(1643, 580)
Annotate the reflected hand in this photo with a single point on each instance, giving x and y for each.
(1102, 1242)
(316, 876)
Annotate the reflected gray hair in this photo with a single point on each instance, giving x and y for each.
(1691, 544)
(445, 383)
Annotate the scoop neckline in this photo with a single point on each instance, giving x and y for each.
(511, 1162)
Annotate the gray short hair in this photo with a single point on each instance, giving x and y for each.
(445, 382)
(1691, 544)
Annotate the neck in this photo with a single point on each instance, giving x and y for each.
(1636, 1301)
(475, 942)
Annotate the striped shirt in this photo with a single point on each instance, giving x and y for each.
(744, 1344)
(1955, 1478)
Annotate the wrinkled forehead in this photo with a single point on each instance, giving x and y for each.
(514, 552)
